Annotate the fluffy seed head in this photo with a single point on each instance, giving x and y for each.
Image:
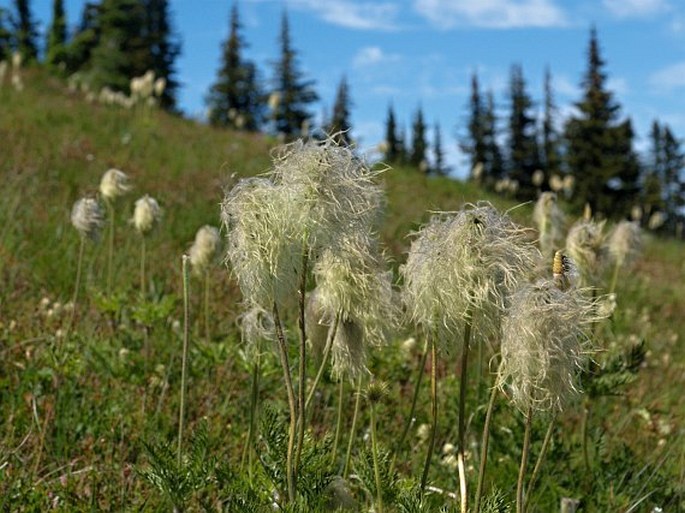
(465, 264)
(204, 250)
(545, 344)
(114, 183)
(625, 242)
(87, 217)
(256, 325)
(586, 245)
(549, 220)
(146, 214)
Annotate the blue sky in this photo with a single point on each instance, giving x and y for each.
(423, 52)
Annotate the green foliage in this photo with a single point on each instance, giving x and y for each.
(419, 145)
(339, 126)
(394, 144)
(25, 31)
(55, 49)
(86, 38)
(550, 152)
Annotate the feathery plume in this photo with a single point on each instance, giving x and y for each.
(146, 214)
(586, 245)
(549, 220)
(204, 250)
(625, 242)
(114, 183)
(87, 217)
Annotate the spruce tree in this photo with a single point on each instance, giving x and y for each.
(5, 36)
(122, 51)
(339, 125)
(439, 166)
(293, 93)
(673, 182)
(652, 195)
(599, 146)
(163, 48)
(85, 39)
(25, 33)
(493, 164)
(235, 99)
(55, 48)
(392, 149)
(523, 157)
(473, 144)
(551, 155)
(417, 155)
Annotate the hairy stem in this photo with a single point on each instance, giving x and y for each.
(287, 377)
(324, 359)
(353, 428)
(434, 414)
(484, 448)
(184, 357)
(410, 419)
(461, 440)
(110, 245)
(302, 370)
(524, 461)
(206, 305)
(254, 397)
(538, 462)
(376, 466)
(142, 267)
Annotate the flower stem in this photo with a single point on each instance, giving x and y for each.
(524, 461)
(110, 245)
(410, 420)
(206, 306)
(142, 267)
(374, 453)
(302, 370)
(461, 441)
(584, 426)
(324, 360)
(338, 423)
(77, 285)
(484, 448)
(353, 428)
(254, 397)
(184, 358)
(285, 364)
(538, 462)
(434, 415)
(614, 277)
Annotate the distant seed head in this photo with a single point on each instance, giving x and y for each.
(256, 325)
(465, 264)
(204, 250)
(376, 391)
(114, 183)
(545, 343)
(549, 220)
(87, 217)
(625, 242)
(586, 245)
(146, 214)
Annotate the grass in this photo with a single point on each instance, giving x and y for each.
(87, 421)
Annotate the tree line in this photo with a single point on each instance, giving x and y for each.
(590, 157)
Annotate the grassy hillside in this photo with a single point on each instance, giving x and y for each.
(83, 410)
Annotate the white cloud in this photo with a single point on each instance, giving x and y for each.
(670, 77)
(372, 56)
(354, 15)
(564, 86)
(635, 8)
(618, 85)
(498, 14)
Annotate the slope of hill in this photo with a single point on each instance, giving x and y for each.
(78, 405)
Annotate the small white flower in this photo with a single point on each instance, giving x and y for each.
(87, 217)
(204, 250)
(146, 214)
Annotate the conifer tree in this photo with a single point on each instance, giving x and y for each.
(474, 143)
(5, 36)
(293, 93)
(417, 155)
(402, 150)
(493, 164)
(339, 125)
(551, 156)
(235, 99)
(652, 196)
(599, 146)
(439, 166)
(25, 33)
(523, 157)
(162, 47)
(674, 182)
(392, 148)
(55, 48)
(85, 39)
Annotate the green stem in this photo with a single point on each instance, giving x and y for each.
(184, 358)
(254, 397)
(338, 423)
(524, 461)
(376, 465)
(434, 415)
(410, 420)
(110, 245)
(77, 285)
(484, 448)
(584, 426)
(461, 440)
(302, 371)
(614, 277)
(538, 462)
(353, 428)
(292, 432)
(206, 306)
(142, 267)
(324, 360)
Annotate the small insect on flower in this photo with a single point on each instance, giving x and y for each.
(87, 217)
(146, 214)
(114, 183)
